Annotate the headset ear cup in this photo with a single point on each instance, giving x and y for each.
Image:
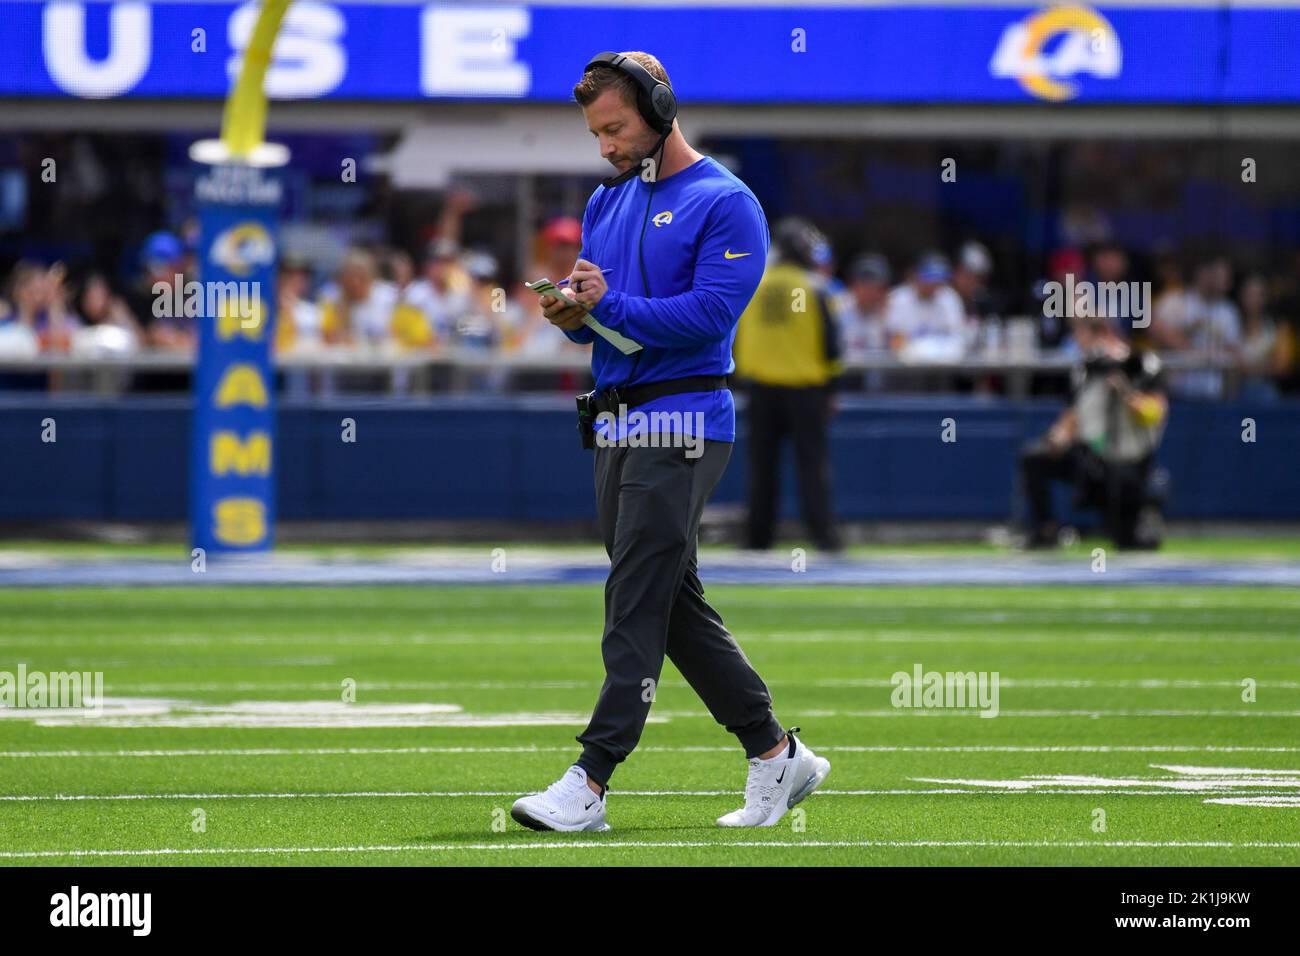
(664, 106)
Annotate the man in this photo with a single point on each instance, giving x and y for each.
(970, 280)
(1105, 442)
(1110, 265)
(686, 250)
(924, 316)
(1208, 328)
(788, 348)
(862, 321)
(442, 294)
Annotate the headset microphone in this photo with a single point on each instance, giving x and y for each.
(635, 168)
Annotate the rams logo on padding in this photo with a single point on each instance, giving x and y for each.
(243, 248)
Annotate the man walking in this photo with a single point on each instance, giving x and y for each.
(673, 249)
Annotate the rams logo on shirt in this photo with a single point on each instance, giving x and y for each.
(663, 218)
(1087, 44)
(243, 248)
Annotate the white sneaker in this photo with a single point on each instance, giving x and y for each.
(567, 805)
(776, 785)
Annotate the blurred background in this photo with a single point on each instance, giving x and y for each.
(437, 163)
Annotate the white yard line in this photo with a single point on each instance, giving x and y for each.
(1067, 683)
(420, 794)
(847, 748)
(598, 844)
(119, 641)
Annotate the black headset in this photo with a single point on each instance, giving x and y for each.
(657, 104)
(655, 101)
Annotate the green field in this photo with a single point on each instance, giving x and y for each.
(1102, 691)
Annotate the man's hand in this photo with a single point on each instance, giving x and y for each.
(561, 313)
(587, 283)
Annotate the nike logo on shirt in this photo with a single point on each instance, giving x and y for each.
(735, 255)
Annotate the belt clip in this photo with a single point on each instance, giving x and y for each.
(614, 398)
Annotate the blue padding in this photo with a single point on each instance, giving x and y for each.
(518, 459)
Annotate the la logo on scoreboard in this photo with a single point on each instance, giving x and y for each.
(1048, 48)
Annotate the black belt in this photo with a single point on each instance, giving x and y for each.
(610, 399)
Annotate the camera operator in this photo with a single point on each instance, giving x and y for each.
(1105, 442)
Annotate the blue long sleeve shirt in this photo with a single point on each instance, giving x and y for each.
(705, 249)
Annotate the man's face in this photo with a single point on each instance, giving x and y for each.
(625, 139)
(438, 270)
(1111, 265)
(355, 284)
(967, 282)
(868, 293)
(926, 288)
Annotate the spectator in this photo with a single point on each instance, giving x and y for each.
(162, 263)
(1263, 348)
(924, 316)
(1065, 267)
(1207, 329)
(1288, 298)
(97, 305)
(482, 322)
(443, 294)
(1170, 305)
(34, 322)
(557, 246)
(558, 243)
(862, 321)
(399, 269)
(365, 309)
(837, 292)
(40, 305)
(560, 240)
(298, 319)
(1110, 264)
(107, 327)
(970, 279)
(490, 316)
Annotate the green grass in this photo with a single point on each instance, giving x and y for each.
(827, 654)
(1225, 548)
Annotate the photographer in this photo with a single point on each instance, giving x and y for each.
(1105, 442)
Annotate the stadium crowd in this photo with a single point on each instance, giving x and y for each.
(936, 308)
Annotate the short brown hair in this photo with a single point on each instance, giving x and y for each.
(596, 81)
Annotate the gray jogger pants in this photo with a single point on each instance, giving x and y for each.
(649, 501)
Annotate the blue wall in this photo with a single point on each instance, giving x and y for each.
(519, 459)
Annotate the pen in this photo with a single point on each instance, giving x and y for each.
(603, 272)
